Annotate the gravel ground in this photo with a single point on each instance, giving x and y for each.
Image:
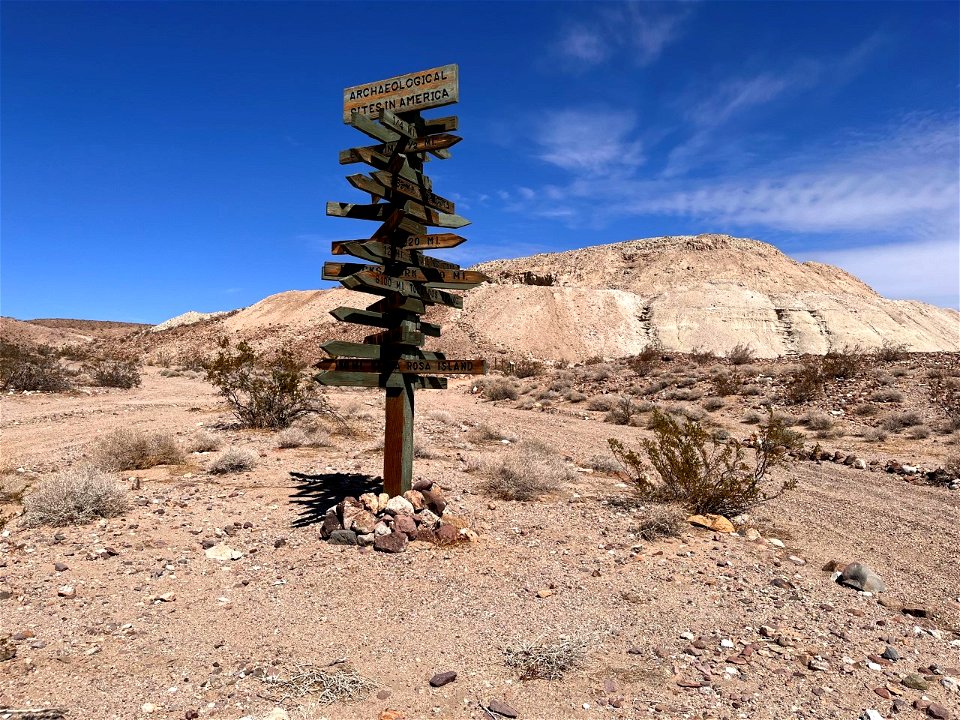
(704, 625)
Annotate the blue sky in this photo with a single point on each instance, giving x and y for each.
(163, 157)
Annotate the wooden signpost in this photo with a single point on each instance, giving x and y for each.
(403, 201)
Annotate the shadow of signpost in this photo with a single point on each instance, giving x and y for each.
(317, 493)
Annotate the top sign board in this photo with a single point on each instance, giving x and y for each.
(414, 91)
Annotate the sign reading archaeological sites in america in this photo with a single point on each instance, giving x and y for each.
(414, 91)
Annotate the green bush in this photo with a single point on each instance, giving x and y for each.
(703, 473)
(114, 372)
(264, 392)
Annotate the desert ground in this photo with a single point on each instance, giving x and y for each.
(130, 617)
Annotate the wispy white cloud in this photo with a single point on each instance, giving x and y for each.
(590, 141)
(928, 270)
(639, 30)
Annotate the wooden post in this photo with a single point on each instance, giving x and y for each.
(398, 439)
(406, 279)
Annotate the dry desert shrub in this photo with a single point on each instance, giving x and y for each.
(498, 388)
(701, 356)
(918, 432)
(817, 421)
(544, 659)
(886, 395)
(203, 441)
(663, 521)
(422, 450)
(125, 449)
(606, 464)
(848, 362)
(890, 352)
(874, 435)
(234, 460)
(264, 392)
(726, 383)
(805, 383)
(292, 438)
(712, 404)
(701, 472)
(115, 372)
(601, 403)
(74, 497)
(623, 412)
(740, 354)
(325, 685)
(645, 361)
(25, 369)
(575, 396)
(525, 474)
(895, 422)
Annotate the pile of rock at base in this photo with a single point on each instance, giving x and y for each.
(911, 473)
(389, 523)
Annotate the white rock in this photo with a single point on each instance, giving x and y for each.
(382, 529)
(726, 643)
(278, 713)
(398, 504)
(870, 714)
(148, 708)
(67, 591)
(776, 542)
(222, 552)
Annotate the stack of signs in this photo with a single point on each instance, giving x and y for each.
(405, 205)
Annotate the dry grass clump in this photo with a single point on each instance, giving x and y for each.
(74, 497)
(623, 412)
(712, 404)
(324, 684)
(486, 433)
(292, 437)
(606, 464)
(441, 416)
(663, 521)
(498, 388)
(726, 383)
(817, 421)
(544, 659)
(234, 460)
(752, 418)
(874, 435)
(422, 450)
(525, 474)
(886, 395)
(805, 382)
(575, 396)
(125, 449)
(644, 362)
(203, 441)
(894, 422)
(918, 432)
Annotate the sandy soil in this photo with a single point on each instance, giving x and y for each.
(570, 564)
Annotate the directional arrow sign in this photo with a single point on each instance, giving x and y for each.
(408, 130)
(340, 348)
(434, 277)
(377, 211)
(379, 283)
(396, 336)
(369, 127)
(429, 143)
(412, 190)
(361, 379)
(379, 252)
(412, 367)
(382, 162)
(431, 217)
(436, 241)
(378, 319)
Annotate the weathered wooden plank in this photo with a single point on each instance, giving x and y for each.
(396, 336)
(378, 319)
(381, 252)
(372, 281)
(420, 90)
(428, 143)
(376, 211)
(433, 277)
(374, 130)
(399, 303)
(369, 185)
(412, 190)
(336, 378)
(402, 127)
(429, 216)
(342, 348)
(383, 162)
(450, 123)
(435, 241)
(407, 367)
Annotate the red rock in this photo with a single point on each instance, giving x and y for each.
(938, 711)
(425, 534)
(405, 524)
(393, 543)
(434, 500)
(447, 534)
(882, 692)
(415, 498)
(441, 679)
(498, 706)
(422, 485)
